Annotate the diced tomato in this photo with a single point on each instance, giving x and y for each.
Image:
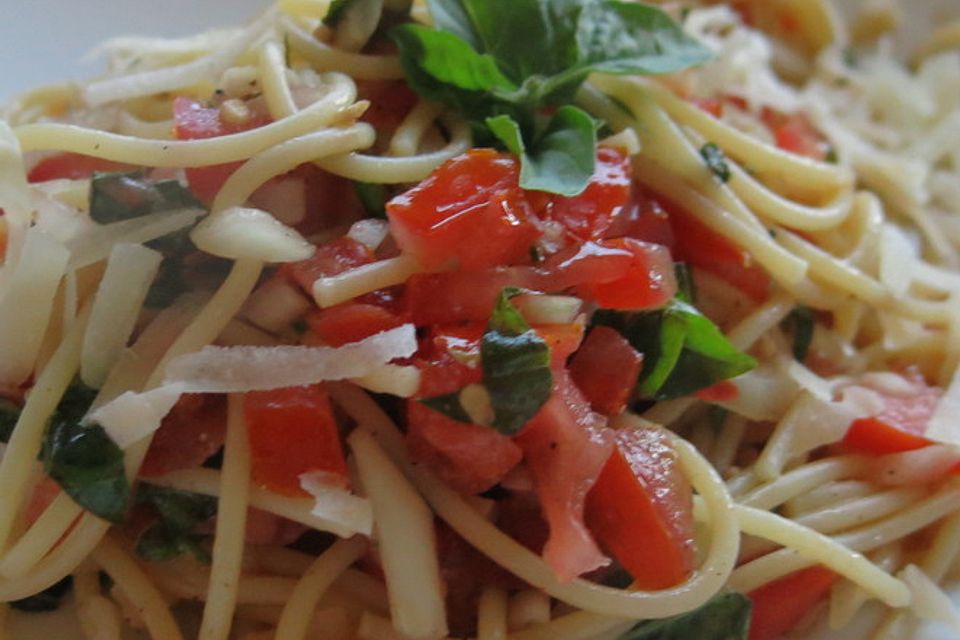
(351, 322)
(587, 216)
(194, 121)
(648, 281)
(704, 248)
(565, 446)
(390, 102)
(644, 219)
(794, 133)
(641, 509)
(780, 605)
(562, 340)
(470, 209)
(329, 259)
(72, 166)
(292, 431)
(606, 369)
(723, 391)
(457, 296)
(193, 431)
(471, 458)
(713, 106)
(901, 424)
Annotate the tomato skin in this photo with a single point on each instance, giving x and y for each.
(648, 282)
(565, 446)
(641, 509)
(193, 431)
(606, 369)
(781, 604)
(644, 219)
(292, 431)
(713, 106)
(590, 214)
(456, 296)
(351, 322)
(471, 209)
(878, 437)
(329, 259)
(72, 166)
(794, 133)
(901, 424)
(194, 121)
(471, 458)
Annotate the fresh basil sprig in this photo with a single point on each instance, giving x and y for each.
(127, 195)
(513, 67)
(726, 616)
(801, 324)
(83, 459)
(516, 370)
(683, 351)
(179, 513)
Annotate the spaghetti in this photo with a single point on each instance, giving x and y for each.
(668, 382)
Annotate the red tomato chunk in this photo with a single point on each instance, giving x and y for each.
(606, 369)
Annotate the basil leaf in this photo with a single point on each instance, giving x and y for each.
(800, 322)
(686, 287)
(716, 161)
(373, 198)
(449, 405)
(47, 600)
(179, 512)
(9, 414)
(726, 616)
(83, 460)
(516, 366)
(337, 12)
(683, 350)
(451, 16)
(122, 196)
(633, 38)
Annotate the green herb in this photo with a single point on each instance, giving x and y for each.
(725, 617)
(516, 370)
(123, 196)
(516, 366)
(683, 351)
(832, 156)
(169, 283)
(83, 460)
(513, 66)
(801, 324)
(373, 198)
(179, 513)
(686, 287)
(9, 414)
(47, 600)
(716, 161)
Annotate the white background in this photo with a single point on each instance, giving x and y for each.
(43, 41)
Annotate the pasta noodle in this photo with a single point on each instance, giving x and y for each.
(678, 326)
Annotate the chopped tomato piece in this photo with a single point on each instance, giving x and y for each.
(644, 219)
(193, 121)
(292, 431)
(565, 446)
(606, 369)
(723, 391)
(901, 424)
(648, 280)
(713, 106)
(72, 166)
(470, 209)
(471, 458)
(351, 322)
(587, 216)
(794, 133)
(457, 296)
(562, 340)
(193, 431)
(329, 259)
(390, 102)
(641, 509)
(781, 604)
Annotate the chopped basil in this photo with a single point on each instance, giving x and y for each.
(801, 324)
(726, 616)
(47, 600)
(179, 513)
(516, 366)
(127, 195)
(683, 351)
(716, 161)
(9, 414)
(516, 371)
(373, 198)
(83, 460)
(512, 66)
(686, 287)
(832, 157)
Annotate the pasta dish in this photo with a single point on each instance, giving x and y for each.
(492, 319)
